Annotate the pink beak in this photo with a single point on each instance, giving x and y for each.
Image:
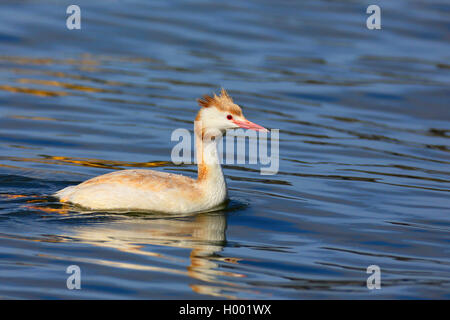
(250, 125)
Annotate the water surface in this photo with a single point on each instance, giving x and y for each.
(364, 148)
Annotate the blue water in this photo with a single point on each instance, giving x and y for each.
(364, 148)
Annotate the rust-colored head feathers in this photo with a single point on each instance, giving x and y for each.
(223, 102)
(207, 101)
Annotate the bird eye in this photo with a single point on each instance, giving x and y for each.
(229, 117)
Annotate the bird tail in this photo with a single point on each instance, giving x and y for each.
(65, 193)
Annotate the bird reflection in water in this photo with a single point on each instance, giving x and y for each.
(203, 233)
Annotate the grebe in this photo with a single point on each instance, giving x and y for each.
(163, 192)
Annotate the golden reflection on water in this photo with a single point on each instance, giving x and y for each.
(87, 162)
(62, 84)
(21, 117)
(86, 62)
(86, 59)
(13, 196)
(36, 92)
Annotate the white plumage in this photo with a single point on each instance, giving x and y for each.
(165, 192)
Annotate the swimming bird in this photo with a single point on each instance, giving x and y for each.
(150, 190)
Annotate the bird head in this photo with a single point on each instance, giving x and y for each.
(219, 113)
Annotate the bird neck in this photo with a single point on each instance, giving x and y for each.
(208, 162)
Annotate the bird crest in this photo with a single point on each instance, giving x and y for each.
(223, 102)
(219, 101)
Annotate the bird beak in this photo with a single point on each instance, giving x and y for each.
(245, 124)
